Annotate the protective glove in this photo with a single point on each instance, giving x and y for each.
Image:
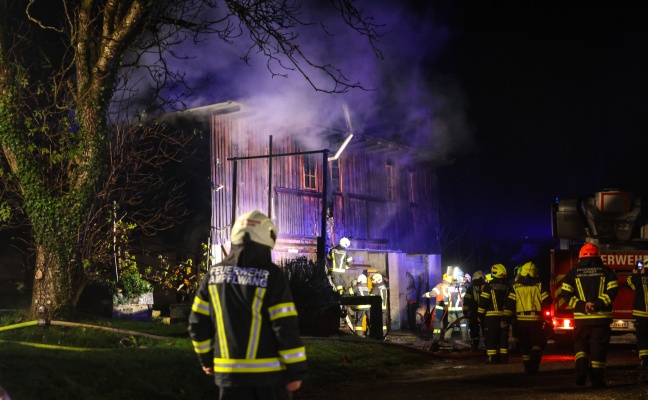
(504, 325)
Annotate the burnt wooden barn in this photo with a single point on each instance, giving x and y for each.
(319, 184)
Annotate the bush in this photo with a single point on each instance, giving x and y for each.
(317, 304)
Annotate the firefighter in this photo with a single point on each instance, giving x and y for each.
(243, 323)
(441, 294)
(527, 297)
(338, 262)
(456, 292)
(495, 316)
(590, 288)
(470, 306)
(361, 310)
(379, 289)
(638, 282)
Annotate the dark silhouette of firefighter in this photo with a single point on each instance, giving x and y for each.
(589, 288)
(338, 262)
(471, 306)
(638, 282)
(492, 312)
(526, 299)
(380, 289)
(243, 323)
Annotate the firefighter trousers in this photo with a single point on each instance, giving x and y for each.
(359, 317)
(440, 321)
(338, 281)
(476, 330)
(532, 341)
(276, 392)
(641, 324)
(591, 344)
(496, 340)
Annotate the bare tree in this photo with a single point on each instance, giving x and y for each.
(62, 63)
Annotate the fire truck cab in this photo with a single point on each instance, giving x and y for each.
(612, 220)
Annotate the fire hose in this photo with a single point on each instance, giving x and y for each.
(71, 324)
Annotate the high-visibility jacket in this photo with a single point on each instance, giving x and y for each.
(639, 283)
(441, 294)
(243, 321)
(590, 281)
(527, 297)
(456, 297)
(379, 289)
(339, 260)
(493, 297)
(361, 290)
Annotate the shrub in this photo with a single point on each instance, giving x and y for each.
(317, 304)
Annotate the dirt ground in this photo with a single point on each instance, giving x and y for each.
(457, 375)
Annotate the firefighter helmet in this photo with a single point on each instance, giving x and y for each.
(478, 275)
(589, 250)
(447, 278)
(529, 269)
(498, 271)
(376, 278)
(344, 242)
(258, 226)
(362, 278)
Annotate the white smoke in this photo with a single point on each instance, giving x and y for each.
(405, 99)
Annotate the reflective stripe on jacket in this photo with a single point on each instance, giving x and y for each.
(243, 322)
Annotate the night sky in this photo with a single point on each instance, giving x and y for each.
(556, 99)
(534, 100)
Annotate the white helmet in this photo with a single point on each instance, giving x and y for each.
(344, 242)
(362, 278)
(376, 278)
(478, 275)
(260, 228)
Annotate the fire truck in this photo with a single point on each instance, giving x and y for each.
(612, 220)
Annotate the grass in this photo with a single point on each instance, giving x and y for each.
(86, 363)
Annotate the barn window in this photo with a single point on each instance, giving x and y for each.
(310, 177)
(391, 181)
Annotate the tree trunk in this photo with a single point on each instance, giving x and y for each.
(52, 293)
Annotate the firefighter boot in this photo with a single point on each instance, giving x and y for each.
(581, 370)
(503, 357)
(598, 377)
(644, 363)
(534, 361)
(527, 367)
(493, 357)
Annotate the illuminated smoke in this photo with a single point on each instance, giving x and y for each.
(407, 99)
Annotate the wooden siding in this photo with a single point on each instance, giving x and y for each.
(362, 210)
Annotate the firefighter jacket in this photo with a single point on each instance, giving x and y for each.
(639, 283)
(471, 298)
(493, 297)
(441, 293)
(379, 289)
(361, 290)
(527, 297)
(590, 281)
(456, 298)
(243, 321)
(338, 259)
